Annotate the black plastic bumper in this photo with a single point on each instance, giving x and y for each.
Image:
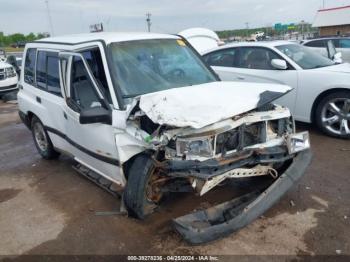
(219, 221)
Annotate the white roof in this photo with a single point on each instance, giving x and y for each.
(107, 37)
(332, 17)
(250, 44)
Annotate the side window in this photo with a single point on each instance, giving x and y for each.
(344, 43)
(317, 43)
(47, 72)
(41, 70)
(225, 57)
(82, 91)
(94, 59)
(29, 66)
(53, 77)
(256, 58)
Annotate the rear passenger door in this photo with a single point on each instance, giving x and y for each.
(93, 145)
(42, 91)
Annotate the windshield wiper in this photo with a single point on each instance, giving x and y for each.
(131, 96)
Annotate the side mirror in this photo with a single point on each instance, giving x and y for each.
(338, 58)
(279, 64)
(95, 115)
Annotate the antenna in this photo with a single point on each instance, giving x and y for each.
(49, 17)
(148, 21)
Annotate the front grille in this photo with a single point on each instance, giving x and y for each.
(243, 136)
(2, 74)
(249, 135)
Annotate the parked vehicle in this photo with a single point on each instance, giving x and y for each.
(8, 78)
(144, 116)
(2, 55)
(321, 87)
(322, 45)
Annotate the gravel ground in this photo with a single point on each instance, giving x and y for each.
(48, 208)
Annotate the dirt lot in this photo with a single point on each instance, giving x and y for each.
(48, 208)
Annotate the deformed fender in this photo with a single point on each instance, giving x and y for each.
(219, 221)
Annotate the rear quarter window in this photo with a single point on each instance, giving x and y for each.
(317, 43)
(29, 66)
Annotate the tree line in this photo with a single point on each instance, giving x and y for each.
(7, 40)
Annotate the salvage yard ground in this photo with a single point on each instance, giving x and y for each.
(48, 208)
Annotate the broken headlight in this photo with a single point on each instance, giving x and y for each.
(195, 147)
(10, 72)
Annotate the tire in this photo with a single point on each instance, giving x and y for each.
(332, 115)
(135, 195)
(42, 140)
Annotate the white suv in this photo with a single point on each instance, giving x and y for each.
(8, 78)
(144, 116)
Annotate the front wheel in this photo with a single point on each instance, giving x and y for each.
(143, 191)
(333, 114)
(42, 140)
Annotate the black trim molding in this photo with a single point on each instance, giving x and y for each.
(106, 159)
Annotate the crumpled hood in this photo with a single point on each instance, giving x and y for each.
(341, 68)
(201, 105)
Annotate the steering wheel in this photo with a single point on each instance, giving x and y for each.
(175, 73)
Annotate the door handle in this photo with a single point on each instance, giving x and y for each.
(38, 99)
(240, 77)
(65, 115)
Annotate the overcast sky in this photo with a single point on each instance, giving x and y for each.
(168, 16)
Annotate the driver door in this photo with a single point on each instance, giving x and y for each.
(93, 145)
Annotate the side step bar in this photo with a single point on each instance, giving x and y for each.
(99, 180)
(221, 220)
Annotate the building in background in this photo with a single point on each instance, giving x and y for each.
(333, 21)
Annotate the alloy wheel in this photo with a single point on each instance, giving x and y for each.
(336, 116)
(40, 136)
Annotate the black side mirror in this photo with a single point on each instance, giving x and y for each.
(95, 115)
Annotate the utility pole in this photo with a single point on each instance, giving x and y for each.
(247, 28)
(323, 4)
(49, 17)
(148, 21)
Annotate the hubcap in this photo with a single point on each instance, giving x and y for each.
(40, 136)
(336, 116)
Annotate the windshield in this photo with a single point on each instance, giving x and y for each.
(147, 66)
(305, 57)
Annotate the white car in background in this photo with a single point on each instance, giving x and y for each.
(321, 93)
(323, 45)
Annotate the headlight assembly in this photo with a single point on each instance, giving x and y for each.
(195, 146)
(10, 72)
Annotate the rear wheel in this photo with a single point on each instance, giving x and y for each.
(333, 114)
(42, 140)
(143, 191)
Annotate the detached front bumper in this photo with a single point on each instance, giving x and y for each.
(219, 221)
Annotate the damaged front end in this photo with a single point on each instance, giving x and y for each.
(261, 142)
